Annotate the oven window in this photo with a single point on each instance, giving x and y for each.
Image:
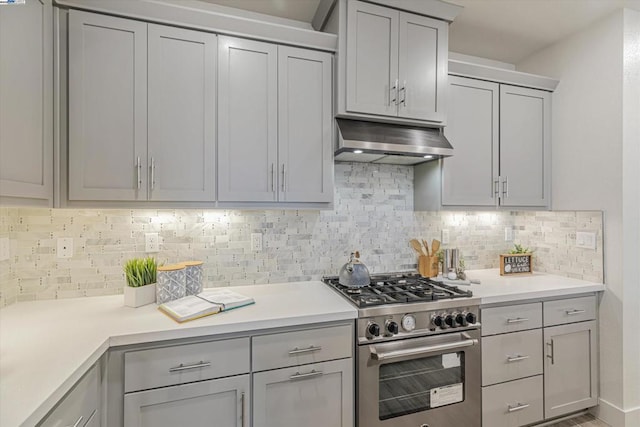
(420, 384)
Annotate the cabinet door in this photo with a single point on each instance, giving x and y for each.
(80, 407)
(26, 104)
(468, 177)
(372, 62)
(525, 135)
(422, 69)
(222, 402)
(317, 395)
(247, 120)
(305, 155)
(570, 368)
(182, 81)
(107, 107)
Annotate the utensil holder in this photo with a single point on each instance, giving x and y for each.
(428, 266)
(170, 283)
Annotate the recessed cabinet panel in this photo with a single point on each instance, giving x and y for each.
(472, 127)
(305, 155)
(26, 117)
(372, 68)
(525, 116)
(181, 114)
(422, 76)
(247, 120)
(107, 107)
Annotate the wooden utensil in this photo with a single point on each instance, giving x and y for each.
(435, 246)
(426, 246)
(417, 246)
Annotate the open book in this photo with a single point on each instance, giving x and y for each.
(209, 301)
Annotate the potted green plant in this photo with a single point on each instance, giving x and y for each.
(140, 274)
(517, 261)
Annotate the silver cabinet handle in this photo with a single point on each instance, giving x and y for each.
(182, 367)
(516, 358)
(574, 312)
(309, 349)
(273, 178)
(394, 93)
(505, 187)
(138, 170)
(518, 407)
(518, 320)
(403, 89)
(153, 173)
(299, 376)
(78, 422)
(284, 180)
(551, 356)
(242, 414)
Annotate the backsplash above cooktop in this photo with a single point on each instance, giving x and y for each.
(373, 213)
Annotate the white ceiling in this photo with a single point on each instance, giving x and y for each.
(502, 30)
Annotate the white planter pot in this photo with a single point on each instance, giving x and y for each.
(143, 295)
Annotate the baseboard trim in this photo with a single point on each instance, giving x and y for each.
(615, 416)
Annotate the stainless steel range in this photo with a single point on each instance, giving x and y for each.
(418, 352)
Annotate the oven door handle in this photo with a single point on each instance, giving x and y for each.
(415, 351)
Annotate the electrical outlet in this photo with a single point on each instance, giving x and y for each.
(5, 249)
(508, 234)
(586, 240)
(445, 236)
(151, 242)
(65, 247)
(256, 242)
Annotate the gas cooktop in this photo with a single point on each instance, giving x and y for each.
(397, 288)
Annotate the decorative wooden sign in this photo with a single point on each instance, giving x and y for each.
(515, 264)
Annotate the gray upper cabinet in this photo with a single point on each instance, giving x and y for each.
(247, 120)
(26, 103)
(107, 108)
(141, 111)
(396, 63)
(274, 123)
(305, 155)
(501, 140)
(182, 114)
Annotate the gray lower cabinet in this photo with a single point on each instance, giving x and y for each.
(26, 103)
(274, 123)
(501, 135)
(221, 402)
(315, 395)
(141, 111)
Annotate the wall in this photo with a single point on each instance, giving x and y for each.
(373, 213)
(590, 141)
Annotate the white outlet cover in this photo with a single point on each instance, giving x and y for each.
(445, 236)
(586, 240)
(256, 242)
(5, 249)
(151, 242)
(508, 234)
(65, 247)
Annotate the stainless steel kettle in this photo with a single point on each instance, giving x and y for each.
(354, 274)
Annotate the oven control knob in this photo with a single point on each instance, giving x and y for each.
(471, 318)
(461, 319)
(449, 320)
(392, 327)
(438, 321)
(373, 329)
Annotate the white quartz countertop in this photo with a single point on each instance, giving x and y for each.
(46, 346)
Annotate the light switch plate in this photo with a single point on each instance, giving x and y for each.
(5, 249)
(65, 247)
(586, 240)
(445, 236)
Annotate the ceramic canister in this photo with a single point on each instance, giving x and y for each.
(193, 277)
(170, 283)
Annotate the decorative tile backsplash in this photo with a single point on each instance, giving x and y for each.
(373, 213)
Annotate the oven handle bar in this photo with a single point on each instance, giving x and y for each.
(422, 350)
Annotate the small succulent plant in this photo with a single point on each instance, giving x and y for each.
(518, 249)
(140, 271)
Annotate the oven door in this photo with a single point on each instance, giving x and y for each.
(421, 382)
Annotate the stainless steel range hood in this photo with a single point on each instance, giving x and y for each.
(360, 141)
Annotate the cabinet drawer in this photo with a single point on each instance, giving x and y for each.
(509, 357)
(498, 320)
(513, 404)
(158, 367)
(301, 347)
(569, 310)
(80, 406)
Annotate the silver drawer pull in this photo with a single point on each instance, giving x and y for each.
(304, 350)
(182, 367)
(77, 423)
(518, 407)
(518, 320)
(517, 358)
(299, 376)
(574, 312)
